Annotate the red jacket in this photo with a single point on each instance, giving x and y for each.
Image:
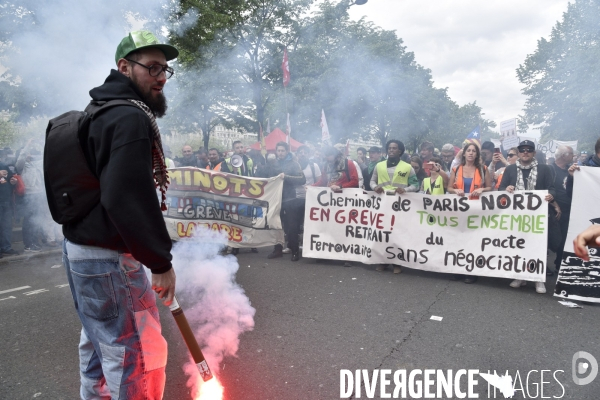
(348, 178)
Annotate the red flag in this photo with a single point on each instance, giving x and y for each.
(285, 66)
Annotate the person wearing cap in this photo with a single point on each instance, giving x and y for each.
(527, 174)
(122, 352)
(583, 158)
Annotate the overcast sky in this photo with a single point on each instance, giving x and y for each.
(472, 47)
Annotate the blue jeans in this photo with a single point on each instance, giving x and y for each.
(122, 353)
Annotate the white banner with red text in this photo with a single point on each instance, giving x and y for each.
(244, 209)
(498, 235)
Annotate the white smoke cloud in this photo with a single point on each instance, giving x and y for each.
(215, 305)
(70, 48)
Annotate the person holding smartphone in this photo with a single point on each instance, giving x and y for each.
(437, 182)
(497, 163)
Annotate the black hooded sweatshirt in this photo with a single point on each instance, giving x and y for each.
(119, 151)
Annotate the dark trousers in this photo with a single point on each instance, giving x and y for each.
(32, 219)
(564, 228)
(292, 217)
(6, 223)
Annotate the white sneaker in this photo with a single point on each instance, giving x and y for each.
(397, 269)
(287, 250)
(540, 287)
(517, 283)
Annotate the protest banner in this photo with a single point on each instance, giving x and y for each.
(549, 148)
(245, 209)
(578, 279)
(508, 128)
(498, 235)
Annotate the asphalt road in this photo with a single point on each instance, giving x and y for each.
(312, 320)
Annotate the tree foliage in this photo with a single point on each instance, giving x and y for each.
(360, 74)
(561, 77)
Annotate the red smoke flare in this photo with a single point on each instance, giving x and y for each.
(210, 390)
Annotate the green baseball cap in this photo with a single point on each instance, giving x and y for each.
(143, 40)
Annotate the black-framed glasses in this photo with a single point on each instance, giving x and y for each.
(526, 150)
(156, 69)
(509, 155)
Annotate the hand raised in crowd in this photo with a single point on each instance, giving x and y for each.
(13, 181)
(510, 189)
(589, 237)
(164, 285)
(435, 166)
(499, 157)
(3, 173)
(573, 168)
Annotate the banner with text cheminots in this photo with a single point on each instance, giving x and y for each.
(498, 235)
(245, 209)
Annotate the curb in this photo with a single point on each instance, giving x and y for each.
(27, 256)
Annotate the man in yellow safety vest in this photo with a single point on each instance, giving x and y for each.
(394, 176)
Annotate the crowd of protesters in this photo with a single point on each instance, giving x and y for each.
(23, 200)
(470, 171)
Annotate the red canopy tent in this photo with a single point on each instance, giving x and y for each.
(277, 135)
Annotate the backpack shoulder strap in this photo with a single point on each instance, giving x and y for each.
(96, 107)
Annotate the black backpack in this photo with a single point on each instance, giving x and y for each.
(72, 189)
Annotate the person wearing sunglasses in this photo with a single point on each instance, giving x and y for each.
(527, 174)
(511, 158)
